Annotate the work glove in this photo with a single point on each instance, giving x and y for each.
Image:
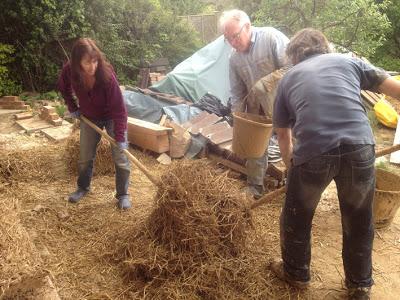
(75, 114)
(122, 145)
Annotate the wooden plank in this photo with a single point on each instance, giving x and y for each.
(147, 127)
(58, 133)
(165, 97)
(32, 125)
(162, 120)
(208, 120)
(156, 143)
(212, 129)
(164, 159)
(222, 136)
(24, 115)
(375, 96)
(10, 111)
(227, 163)
(179, 140)
(195, 119)
(148, 136)
(368, 98)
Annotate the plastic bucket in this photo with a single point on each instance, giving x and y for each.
(387, 198)
(250, 134)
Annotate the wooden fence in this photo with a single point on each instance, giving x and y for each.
(206, 25)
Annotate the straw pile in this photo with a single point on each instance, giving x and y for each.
(36, 164)
(193, 241)
(199, 211)
(18, 256)
(103, 163)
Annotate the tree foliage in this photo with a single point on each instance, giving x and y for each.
(250, 7)
(7, 85)
(34, 28)
(128, 31)
(357, 25)
(185, 7)
(131, 32)
(388, 55)
(39, 34)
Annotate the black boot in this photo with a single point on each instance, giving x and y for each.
(359, 293)
(77, 195)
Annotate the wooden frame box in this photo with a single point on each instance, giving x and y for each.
(148, 135)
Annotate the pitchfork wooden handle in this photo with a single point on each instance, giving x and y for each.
(270, 196)
(387, 150)
(128, 154)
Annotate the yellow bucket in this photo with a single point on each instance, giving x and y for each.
(250, 134)
(387, 198)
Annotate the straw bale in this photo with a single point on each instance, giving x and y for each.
(103, 164)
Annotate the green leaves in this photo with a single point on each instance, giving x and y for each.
(357, 25)
(7, 86)
(135, 31)
(35, 29)
(388, 55)
(128, 32)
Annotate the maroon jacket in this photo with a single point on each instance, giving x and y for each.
(100, 103)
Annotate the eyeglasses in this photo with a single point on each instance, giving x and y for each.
(234, 37)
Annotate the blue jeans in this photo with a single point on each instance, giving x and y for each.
(256, 167)
(89, 140)
(352, 168)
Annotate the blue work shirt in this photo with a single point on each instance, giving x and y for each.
(320, 100)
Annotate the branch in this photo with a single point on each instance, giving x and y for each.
(297, 9)
(337, 23)
(354, 34)
(65, 52)
(314, 8)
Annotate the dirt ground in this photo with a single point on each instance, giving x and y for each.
(76, 243)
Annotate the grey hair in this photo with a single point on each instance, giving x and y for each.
(233, 15)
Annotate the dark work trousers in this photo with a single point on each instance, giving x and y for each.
(89, 140)
(352, 168)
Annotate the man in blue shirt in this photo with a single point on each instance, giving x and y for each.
(318, 101)
(258, 52)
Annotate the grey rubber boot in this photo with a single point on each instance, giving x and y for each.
(77, 195)
(124, 202)
(255, 190)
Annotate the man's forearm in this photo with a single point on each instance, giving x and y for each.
(285, 144)
(390, 87)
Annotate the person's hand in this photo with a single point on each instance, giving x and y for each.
(122, 145)
(75, 114)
